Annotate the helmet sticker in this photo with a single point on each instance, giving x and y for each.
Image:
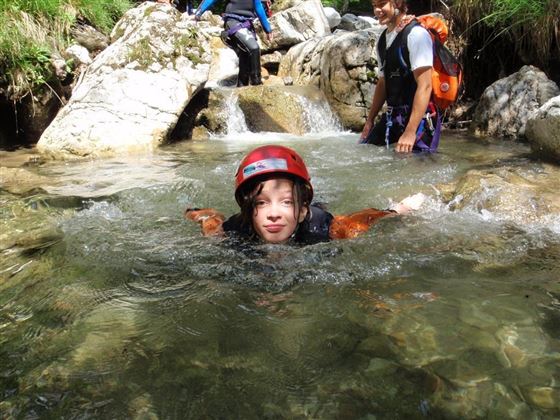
(264, 165)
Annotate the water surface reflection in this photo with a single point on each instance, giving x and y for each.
(126, 311)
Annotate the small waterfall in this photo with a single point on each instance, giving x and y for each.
(314, 114)
(235, 118)
(319, 117)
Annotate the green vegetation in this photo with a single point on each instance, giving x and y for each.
(344, 6)
(32, 31)
(532, 26)
(142, 53)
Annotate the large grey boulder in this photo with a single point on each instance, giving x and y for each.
(333, 17)
(132, 95)
(343, 66)
(224, 65)
(351, 22)
(507, 104)
(297, 24)
(543, 130)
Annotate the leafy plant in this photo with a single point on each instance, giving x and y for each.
(532, 25)
(32, 31)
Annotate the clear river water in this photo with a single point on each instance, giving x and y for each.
(123, 309)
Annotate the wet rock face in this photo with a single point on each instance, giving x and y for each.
(342, 65)
(543, 130)
(275, 108)
(506, 105)
(509, 193)
(133, 93)
(213, 113)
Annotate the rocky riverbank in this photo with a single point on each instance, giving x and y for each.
(151, 84)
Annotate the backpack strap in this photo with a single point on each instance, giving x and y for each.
(403, 48)
(382, 47)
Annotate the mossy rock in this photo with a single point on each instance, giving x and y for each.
(279, 109)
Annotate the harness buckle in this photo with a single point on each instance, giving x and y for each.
(430, 123)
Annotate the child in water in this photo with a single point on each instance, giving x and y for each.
(274, 193)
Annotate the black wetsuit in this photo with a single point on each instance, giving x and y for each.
(239, 34)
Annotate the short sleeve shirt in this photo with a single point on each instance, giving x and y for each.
(420, 47)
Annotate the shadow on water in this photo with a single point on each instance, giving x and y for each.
(112, 305)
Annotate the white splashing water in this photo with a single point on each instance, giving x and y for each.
(236, 123)
(319, 117)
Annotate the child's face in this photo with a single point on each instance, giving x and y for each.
(276, 215)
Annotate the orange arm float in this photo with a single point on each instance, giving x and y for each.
(354, 224)
(210, 220)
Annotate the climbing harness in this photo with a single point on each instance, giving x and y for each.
(388, 124)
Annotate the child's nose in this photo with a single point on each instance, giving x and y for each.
(274, 211)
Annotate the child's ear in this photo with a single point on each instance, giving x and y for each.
(303, 213)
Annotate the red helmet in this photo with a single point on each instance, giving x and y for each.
(269, 160)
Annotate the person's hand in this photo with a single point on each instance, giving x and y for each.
(411, 203)
(406, 142)
(269, 37)
(365, 132)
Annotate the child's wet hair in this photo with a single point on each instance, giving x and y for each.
(301, 194)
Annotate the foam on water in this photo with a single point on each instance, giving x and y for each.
(320, 121)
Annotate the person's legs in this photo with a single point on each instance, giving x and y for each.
(243, 74)
(245, 45)
(247, 42)
(377, 134)
(237, 43)
(255, 66)
(427, 135)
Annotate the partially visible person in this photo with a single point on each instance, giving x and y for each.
(239, 34)
(267, 6)
(274, 193)
(405, 55)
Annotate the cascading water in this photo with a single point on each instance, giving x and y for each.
(319, 117)
(236, 123)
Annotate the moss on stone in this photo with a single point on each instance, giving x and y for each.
(142, 53)
(188, 45)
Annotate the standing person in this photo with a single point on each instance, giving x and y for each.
(405, 56)
(274, 193)
(239, 34)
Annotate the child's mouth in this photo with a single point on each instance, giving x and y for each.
(274, 228)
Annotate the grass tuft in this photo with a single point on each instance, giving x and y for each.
(33, 31)
(531, 25)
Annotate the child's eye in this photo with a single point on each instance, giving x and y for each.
(288, 203)
(260, 203)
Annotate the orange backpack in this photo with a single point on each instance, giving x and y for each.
(447, 73)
